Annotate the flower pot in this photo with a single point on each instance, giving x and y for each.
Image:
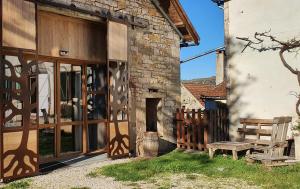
(297, 147)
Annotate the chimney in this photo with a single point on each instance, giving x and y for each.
(220, 67)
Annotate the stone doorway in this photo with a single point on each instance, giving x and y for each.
(152, 111)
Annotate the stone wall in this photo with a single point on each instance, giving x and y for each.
(154, 55)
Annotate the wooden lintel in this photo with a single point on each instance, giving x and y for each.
(101, 12)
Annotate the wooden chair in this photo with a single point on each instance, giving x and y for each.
(273, 154)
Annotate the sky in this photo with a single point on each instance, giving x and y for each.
(207, 19)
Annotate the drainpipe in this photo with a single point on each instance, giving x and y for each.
(165, 15)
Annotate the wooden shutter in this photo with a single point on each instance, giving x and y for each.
(117, 41)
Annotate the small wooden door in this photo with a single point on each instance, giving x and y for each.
(118, 132)
(19, 141)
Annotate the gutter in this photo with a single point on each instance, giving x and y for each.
(165, 15)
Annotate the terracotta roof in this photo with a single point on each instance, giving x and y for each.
(207, 90)
(179, 17)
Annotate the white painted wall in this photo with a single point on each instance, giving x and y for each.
(260, 85)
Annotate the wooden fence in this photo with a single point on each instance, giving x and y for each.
(197, 128)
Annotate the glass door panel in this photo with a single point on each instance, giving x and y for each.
(70, 93)
(47, 142)
(71, 138)
(97, 136)
(46, 109)
(71, 108)
(46, 93)
(96, 107)
(96, 75)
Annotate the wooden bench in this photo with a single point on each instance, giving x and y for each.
(235, 147)
(255, 134)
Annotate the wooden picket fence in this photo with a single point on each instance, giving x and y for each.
(197, 128)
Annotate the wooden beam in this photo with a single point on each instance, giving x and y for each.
(179, 24)
(101, 12)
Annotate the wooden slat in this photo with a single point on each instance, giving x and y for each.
(265, 122)
(255, 131)
(194, 128)
(259, 142)
(178, 127)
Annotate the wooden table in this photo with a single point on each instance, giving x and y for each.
(235, 147)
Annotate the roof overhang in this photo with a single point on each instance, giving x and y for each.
(180, 19)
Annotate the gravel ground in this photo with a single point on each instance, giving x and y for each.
(76, 177)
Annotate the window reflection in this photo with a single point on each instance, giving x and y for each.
(46, 93)
(71, 92)
(47, 142)
(71, 138)
(96, 77)
(12, 68)
(96, 89)
(97, 136)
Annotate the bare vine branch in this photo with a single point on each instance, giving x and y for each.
(257, 43)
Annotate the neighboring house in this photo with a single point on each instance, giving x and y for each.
(204, 92)
(188, 100)
(79, 77)
(259, 85)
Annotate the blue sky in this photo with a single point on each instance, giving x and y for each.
(207, 18)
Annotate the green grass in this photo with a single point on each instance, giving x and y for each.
(179, 162)
(22, 184)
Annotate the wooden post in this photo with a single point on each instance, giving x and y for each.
(194, 129)
(218, 125)
(211, 153)
(182, 128)
(188, 130)
(199, 128)
(234, 155)
(212, 126)
(178, 122)
(206, 128)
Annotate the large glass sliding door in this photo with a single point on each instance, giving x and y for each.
(72, 111)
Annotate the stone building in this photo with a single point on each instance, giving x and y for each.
(86, 77)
